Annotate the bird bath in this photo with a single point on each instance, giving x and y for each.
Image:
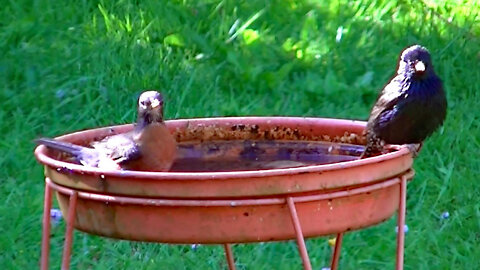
(238, 180)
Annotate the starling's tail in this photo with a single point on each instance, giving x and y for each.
(373, 148)
(61, 146)
(369, 152)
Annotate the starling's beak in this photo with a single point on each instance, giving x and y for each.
(419, 67)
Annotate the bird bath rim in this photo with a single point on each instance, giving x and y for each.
(235, 184)
(44, 158)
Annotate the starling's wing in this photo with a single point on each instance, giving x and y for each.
(416, 114)
(401, 115)
(384, 108)
(121, 148)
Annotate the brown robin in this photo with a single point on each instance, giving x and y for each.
(148, 147)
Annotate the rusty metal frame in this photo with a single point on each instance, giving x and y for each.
(290, 201)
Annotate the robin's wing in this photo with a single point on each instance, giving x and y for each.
(121, 148)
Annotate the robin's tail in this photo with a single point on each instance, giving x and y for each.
(60, 145)
(84, 155)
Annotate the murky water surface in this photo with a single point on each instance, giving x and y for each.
(238, 155)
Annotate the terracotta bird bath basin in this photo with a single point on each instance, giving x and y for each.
(235, 180)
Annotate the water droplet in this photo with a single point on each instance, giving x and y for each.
(445, 215)
(102, 176)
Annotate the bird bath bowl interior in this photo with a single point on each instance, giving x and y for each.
(236, 180)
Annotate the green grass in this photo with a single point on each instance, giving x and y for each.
(70, 65)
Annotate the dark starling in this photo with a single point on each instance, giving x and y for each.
(148, 147)
(410, 107)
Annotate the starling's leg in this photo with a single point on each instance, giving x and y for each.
(415, 148)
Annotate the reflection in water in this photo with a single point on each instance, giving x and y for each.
(238, 155)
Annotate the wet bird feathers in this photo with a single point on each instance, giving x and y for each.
(410, 107)
(408, 111)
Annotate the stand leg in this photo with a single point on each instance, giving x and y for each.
(69, 231)
(47, 206)
(336, 251)
(298, 231)
(229, 255)
(401, 223)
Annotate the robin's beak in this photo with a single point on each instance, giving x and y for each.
(419, 66)
(155, 103)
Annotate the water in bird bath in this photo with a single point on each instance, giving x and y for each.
(245, 155)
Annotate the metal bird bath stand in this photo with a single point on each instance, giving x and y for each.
(231, 207)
